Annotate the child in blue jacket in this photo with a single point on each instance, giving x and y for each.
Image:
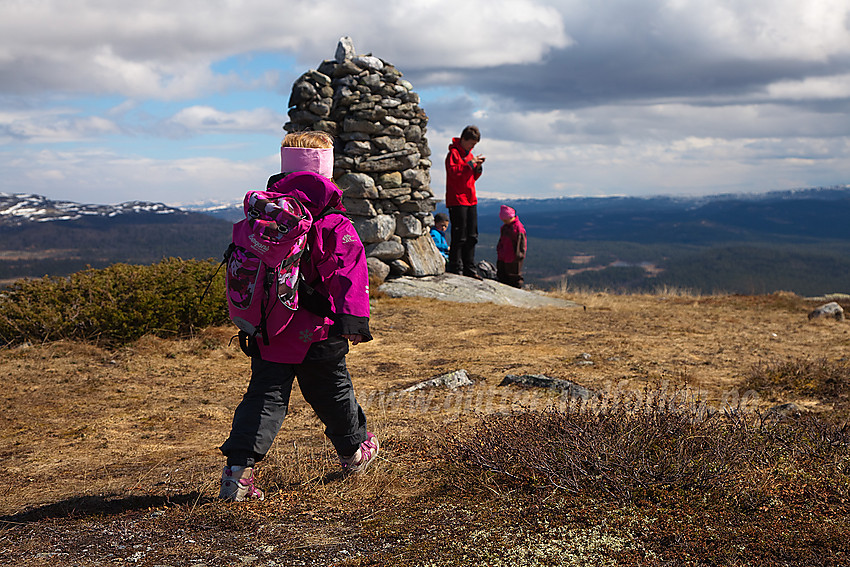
(438, 233)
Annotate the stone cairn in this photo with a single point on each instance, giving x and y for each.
(380, 156)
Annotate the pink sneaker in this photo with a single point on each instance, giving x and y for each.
(237, 484)
(365, 454)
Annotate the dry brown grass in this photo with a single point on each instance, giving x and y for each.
(125, 442)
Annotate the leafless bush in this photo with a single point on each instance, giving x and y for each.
(620, 452)
(817, 377)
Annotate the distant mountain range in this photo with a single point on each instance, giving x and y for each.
(752, 243)
(785, 215)
(39, 236)
(21, 208)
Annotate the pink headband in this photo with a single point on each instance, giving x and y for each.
(313, 160)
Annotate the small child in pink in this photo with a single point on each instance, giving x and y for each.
(306, 345)
(510, 251)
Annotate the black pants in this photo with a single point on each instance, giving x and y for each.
(464, 238)
(509, 273)
(326, 386)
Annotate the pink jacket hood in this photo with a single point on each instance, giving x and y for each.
(317, 193)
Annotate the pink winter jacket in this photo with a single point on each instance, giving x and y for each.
(336, 268)
(512, 243)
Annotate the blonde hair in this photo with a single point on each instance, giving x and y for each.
(311, 139)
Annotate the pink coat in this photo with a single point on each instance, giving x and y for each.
(336, 268)
(512, 243)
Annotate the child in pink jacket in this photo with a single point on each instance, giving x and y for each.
(305, 345)
(510, 251)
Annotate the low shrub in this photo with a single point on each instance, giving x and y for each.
(669, 485)
(114, 305)
(620, 453)
(815, 377)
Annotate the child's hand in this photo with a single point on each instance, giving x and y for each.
(353, 339)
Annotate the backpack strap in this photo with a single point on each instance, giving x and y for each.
(227, 254)
(313, 301)
(332, 211)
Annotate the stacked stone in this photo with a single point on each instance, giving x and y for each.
(381, 156)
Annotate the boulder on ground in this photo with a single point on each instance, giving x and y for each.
(540, 381)
(452, 381)
(486, 270)
(831, 309)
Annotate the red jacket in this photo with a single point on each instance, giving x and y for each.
(512, 242)
(460, 176)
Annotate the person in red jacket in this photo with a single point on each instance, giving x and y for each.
(510, 251)
(462, 169)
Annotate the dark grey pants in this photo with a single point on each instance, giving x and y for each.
(326, 386)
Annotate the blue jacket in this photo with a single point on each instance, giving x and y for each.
(440, 241)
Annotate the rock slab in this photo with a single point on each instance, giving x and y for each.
(460, 289)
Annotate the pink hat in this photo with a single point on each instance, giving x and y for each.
(313, 160)
(506, 213)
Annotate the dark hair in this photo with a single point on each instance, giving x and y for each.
(441, 217)
(471, 133)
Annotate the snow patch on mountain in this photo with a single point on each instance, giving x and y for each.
(17, 209)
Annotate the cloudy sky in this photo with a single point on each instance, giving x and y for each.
(181, 102)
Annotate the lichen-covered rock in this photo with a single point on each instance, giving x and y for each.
(390, 180)
(358, 185)
(408, 226)
(452, 381)
(375, 229)
(378, 270)
(344, 49)
(832, 310)
(423, 257)
(387, 250)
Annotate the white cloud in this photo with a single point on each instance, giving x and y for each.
(814, 30)
(689, 166)
(165, 50)
(58, 125)
(102, 176)
(65, 124)
(205, 119)
(812, 88)
(486, 33)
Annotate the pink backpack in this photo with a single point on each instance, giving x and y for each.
(262, 261)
